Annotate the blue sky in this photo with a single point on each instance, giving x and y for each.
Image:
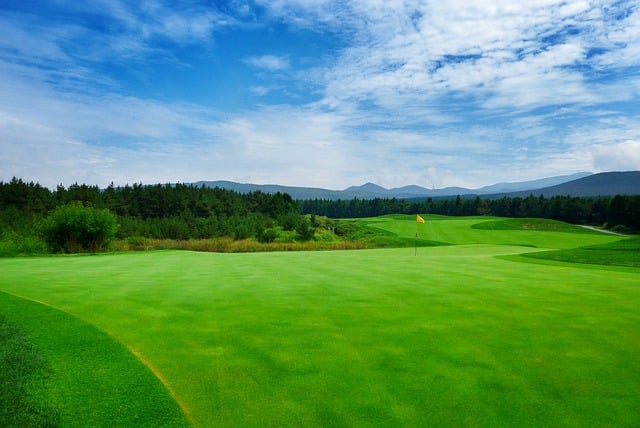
(318, 93)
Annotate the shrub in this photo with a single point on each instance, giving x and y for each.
(27, 246)
(267, 235)
(74, 228)
(304, 229)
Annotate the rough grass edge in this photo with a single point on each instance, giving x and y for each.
(23, 396)
(229, 245)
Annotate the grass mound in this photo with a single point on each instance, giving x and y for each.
(529, 224)
(92, 381)
(24, 401)
(625, 252)
(375, 232)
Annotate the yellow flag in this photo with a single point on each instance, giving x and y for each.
(419, 219)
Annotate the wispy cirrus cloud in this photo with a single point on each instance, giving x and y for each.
(269, 62)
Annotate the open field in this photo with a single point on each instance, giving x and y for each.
(443, 336)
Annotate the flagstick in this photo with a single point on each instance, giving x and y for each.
(415, 246)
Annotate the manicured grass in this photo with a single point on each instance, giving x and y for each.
(81, 376)
(619, 253)
(374, 233)
(452, 336)
(539, 233)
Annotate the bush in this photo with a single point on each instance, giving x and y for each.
(74, 228)
(27, 246)
(305, 231)
(267, 235)
(13, 244)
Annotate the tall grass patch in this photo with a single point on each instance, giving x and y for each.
(229, 245)
(12, 245)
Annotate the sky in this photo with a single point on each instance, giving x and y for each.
(317, 93)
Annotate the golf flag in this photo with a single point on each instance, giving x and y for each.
(419, 219)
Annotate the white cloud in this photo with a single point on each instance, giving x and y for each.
(621, 156)
(269, 62)
(261, 90)
(56, 138)
(620, 40)
(501, 53)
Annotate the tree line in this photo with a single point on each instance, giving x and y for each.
(619, 211)
(160, 211)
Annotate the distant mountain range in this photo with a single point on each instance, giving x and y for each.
(602, 184)
(582, 184)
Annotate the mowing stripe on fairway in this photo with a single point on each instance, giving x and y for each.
(95, 381)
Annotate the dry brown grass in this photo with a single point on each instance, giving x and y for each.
(228, 245)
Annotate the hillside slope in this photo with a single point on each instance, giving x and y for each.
(602, 184)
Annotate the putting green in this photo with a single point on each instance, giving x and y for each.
(451, 336)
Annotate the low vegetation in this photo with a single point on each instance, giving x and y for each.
(228, 245)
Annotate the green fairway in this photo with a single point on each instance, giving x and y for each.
(442, 336)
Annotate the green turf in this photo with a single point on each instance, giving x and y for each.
(452, 336)
(86, 379)
(24, 401)
(619, 253)
(529, 224)
(540, 233)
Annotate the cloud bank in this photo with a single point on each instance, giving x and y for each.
(319, 93)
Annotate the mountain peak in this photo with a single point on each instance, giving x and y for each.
(367, 187)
